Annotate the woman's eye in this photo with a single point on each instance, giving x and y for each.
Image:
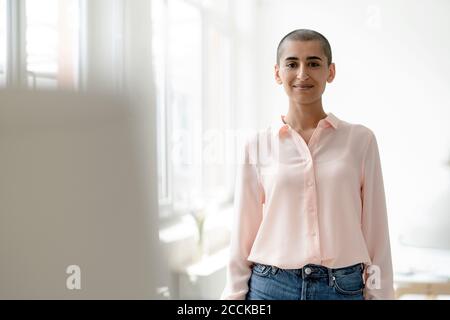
(290, 65)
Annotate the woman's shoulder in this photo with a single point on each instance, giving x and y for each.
(358, 129)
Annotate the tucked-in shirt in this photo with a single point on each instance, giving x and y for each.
(318, 203)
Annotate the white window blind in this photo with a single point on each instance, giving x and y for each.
(52, 34)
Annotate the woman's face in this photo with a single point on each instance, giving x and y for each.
(303, 71)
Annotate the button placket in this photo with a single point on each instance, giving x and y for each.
(315, 133)
(301, 145)
(313, 212)
(306, 151)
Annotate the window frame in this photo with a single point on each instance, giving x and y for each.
(15, 43)
(168, 212)
(16, 56)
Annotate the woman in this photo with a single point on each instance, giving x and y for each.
(310, 212)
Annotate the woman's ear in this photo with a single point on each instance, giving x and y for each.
(277, 75)
(332, 73)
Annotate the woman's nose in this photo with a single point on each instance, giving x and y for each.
(302, 74)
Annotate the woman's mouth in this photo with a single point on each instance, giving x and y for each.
(303, 87)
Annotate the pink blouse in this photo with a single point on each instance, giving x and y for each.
(317, 203)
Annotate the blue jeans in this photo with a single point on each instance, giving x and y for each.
(312, 282)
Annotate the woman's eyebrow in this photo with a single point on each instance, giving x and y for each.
(308, 58)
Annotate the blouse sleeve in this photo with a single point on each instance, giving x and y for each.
(247, 216)
(379, 275)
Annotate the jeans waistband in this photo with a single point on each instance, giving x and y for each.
(313, 270)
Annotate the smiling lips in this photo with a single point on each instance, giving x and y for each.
(303, 86)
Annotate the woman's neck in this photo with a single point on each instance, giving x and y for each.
(304, 117)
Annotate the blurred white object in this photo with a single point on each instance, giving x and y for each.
(76, 188)
(422, 257)
(204, 279)
(430, 226)
(421, 271)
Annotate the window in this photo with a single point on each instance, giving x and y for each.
(159, 47)
(218, 113)
(191, 49)
(2, 43)
(52, 43)
(184, 69)
(39, 43)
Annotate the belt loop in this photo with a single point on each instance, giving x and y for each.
(330, 277)
(274, 270)
(363, 275)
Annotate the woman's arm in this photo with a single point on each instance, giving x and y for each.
(248, 204)
(379, 282)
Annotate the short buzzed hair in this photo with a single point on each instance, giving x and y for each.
(305, 35)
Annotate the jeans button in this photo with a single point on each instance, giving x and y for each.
(308, 271)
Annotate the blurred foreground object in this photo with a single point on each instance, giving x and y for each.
(76, 189)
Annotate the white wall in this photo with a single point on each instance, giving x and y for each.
(246, 69)
(392, 76)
